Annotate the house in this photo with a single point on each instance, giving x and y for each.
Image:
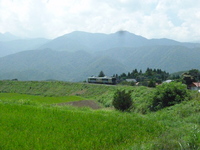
(195, 86)
(131, 80)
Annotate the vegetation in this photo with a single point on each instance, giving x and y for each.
(122, 100)
(101, 74)
(190, 76)
(27, 122)
(169, 94)
(34, 127)
(38, 99)
(105, 52)
(132, 83)
(152, 83)
(149, 78)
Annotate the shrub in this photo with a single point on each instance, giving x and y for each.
(169, 94)
(127, 83)
(122, 101)
(152, 83)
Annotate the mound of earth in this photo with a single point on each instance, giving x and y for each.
(84, 103)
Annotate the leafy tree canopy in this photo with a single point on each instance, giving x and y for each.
(150, 75)
(169, 94)
(192, 75)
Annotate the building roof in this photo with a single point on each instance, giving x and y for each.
(196, 84)
(131, 80)
(168, 81)
(105, 77)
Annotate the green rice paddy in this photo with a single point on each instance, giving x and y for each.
(28, 120)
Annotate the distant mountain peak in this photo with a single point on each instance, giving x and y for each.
(122, 32)
(7, 36)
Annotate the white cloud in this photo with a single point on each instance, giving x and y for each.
(175, 19)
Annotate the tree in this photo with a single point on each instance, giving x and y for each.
(191, 76)
(187, 79)
(152, 83)
(169, 94)
(195, 74)
(122, 101)
(101, 74)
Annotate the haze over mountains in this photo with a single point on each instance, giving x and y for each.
(77, 55)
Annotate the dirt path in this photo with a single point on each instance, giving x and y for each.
(84, 103)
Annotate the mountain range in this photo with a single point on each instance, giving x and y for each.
(77, 55)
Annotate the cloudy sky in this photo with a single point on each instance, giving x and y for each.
(174, 19)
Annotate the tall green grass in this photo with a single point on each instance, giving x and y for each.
(34, 127)
(54, 88)
(28, 126)
(27, 123)
(38, 99)
(101, 93)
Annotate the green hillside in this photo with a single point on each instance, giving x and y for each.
(77, 66)
(31, 120)
(98, 92)
(48, 64)
(169, 58)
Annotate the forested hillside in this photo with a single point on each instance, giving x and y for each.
(75, 56)
(53, 65)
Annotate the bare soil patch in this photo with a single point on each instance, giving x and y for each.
(84, 103)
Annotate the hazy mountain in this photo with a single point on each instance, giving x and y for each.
(15, 46)
(49, 64)
(77, 66)
(90, 42)
(76, 41)
(93, 42)
(169, 58)
(75, 56)
(8, 37)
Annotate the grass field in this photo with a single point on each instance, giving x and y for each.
(28, 127)
(98, 92)
(38, 99)
(27, 121)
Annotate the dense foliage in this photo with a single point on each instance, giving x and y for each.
(190, 76)
(169, 94)
(122, 100)
(150, 75)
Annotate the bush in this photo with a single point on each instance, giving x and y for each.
(122, 101)
(127, 83)
(169, 94)
(152, 83)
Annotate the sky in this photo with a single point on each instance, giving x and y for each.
(173, 19)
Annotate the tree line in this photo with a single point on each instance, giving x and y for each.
(148, 78)
(151, 77)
